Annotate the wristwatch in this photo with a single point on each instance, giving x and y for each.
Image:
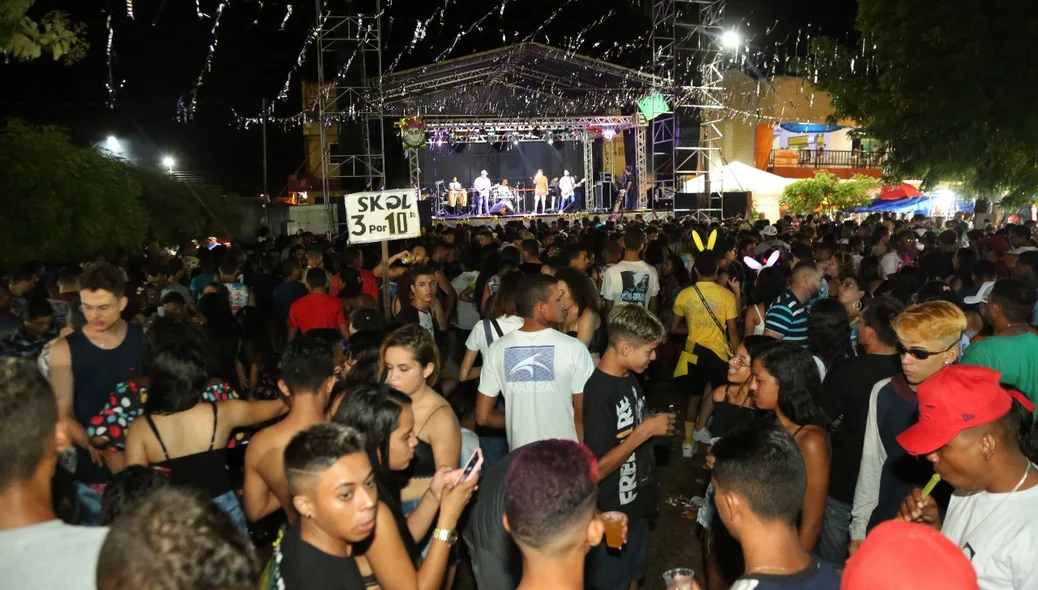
(448, 536)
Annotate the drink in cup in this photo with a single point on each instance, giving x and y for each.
(614, 529)
(679, 578)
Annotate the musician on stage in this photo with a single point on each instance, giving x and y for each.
(456, 194)
(629, 189)
(482, 188)
(540, 191)
(566, 186)
(503, 199)
(553, 190)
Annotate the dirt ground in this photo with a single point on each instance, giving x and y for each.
(676, 541)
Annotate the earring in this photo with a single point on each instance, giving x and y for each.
(947, 362)
(857, 305)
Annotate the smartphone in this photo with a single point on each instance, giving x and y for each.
(471, 466)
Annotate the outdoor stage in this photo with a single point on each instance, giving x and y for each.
(603, 216)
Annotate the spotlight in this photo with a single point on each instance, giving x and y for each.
(731, 39)
(609, 134)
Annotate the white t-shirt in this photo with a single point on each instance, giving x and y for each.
(630, 282)
(538, 373)
(477, 340)
(50, 555)
(890, 264)
(999, 535)
(468, 315)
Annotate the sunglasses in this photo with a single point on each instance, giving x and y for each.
(920, 353)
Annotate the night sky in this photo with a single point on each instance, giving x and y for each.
(160, 63)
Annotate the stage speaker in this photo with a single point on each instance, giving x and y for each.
(982, 206)
(691, 201)
(425, 212)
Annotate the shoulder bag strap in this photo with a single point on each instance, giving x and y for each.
(720, 326)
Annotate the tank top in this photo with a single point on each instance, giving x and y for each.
(599, 339)
(205, 471)
(424, 462)
(96, 372)
(758, 330)
(729, 417)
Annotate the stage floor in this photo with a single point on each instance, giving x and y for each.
(492, 220)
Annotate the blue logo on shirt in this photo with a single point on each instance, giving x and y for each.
(529, 363)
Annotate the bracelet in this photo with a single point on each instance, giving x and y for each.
(449, 536)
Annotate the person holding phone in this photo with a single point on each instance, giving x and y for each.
(409, 362)
(392, 560)
(616, 429)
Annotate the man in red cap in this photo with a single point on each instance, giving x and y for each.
(969, 427)
(908, 556)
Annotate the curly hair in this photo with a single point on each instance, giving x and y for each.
(177, 539)
(829, 332)
(798, 381)
(581, 288)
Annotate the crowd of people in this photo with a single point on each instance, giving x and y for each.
(296, 413)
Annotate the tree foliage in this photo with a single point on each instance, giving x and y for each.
(827, 193)
(25, 39)
(946, 85)
(66, 202)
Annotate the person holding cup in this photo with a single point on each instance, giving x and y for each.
(619, 431)
(550, 492)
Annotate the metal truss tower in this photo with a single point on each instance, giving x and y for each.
(686, 46)
(351, 100)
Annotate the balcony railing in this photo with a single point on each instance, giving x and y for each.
(790, 158)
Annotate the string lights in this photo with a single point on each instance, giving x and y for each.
(186, 110)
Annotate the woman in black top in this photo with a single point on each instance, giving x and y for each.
(385, 417)
(580, 303)
(185, 437)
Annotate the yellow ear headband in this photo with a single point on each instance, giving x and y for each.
(709, 242)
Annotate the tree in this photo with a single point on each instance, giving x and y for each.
(66, 202)
(827, 193)
(946, 86)
(24, 39)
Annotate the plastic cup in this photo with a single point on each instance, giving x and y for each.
(679, 578)
(614, 530)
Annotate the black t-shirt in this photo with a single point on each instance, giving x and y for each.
(483, 529)
(285, 295)
(530, 268)
(818, 576)
(845, 399)
(305, 567)
(613, 408)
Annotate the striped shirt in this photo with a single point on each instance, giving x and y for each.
(788, 318)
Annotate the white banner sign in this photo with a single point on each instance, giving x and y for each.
(382, 215)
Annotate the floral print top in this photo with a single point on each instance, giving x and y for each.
(126, 404)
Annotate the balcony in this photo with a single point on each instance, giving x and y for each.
(791, 163)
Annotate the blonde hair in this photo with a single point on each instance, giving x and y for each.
(421, 344)
(934, 321)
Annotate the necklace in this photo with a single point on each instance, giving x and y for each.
(991, 513)
(772, 568)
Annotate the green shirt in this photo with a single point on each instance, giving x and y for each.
(1016, 357)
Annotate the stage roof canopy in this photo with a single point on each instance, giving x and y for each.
(526, 79)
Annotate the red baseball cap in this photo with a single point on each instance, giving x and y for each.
(956, 398)
(908, 556)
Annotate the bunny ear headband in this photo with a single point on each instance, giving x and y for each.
(709, 243)
(753, 264)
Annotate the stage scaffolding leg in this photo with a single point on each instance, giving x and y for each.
(645, 177)
(589, 171)
(416, 170)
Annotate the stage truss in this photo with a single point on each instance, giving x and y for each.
(686, 45)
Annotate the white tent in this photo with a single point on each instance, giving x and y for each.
(765, 187)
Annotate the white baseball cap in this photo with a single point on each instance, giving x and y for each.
(769, 230)
(981, 296)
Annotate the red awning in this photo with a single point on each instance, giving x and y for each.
(904, 191)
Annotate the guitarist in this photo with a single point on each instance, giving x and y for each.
(567, 188)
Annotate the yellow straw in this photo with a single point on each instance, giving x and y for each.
(926, 490)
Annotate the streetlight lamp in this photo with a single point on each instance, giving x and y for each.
(169, 162)
(731, 39)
